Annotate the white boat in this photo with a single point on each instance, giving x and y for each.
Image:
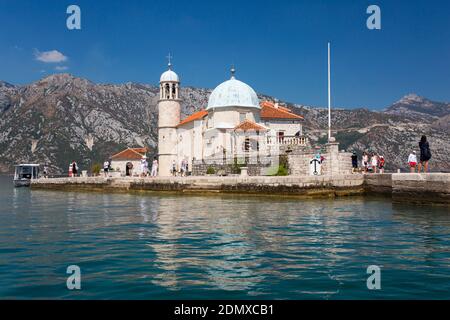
(24, 173)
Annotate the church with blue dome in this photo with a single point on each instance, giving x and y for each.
(234, 128)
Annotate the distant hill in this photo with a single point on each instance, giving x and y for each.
(413, 104)
(62, 118)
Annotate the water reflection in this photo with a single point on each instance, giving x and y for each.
(141, 246)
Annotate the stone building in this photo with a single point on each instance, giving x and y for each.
(234, 130)
(132, 156)
(234, 124)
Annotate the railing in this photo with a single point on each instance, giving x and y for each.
(287, 140)
(245, 158)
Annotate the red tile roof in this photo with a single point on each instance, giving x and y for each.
(195, 116)
(130, 154)
(270, 111)
(249, 125)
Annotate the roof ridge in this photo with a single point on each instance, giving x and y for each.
(257, 125)
(282, 110)
(130, 149)
(196, 115)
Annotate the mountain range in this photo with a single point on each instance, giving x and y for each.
(61, 118)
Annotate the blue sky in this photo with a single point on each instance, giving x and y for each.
(277, 46)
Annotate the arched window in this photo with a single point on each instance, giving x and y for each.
(247, 146)
(167, 91)
(174, 91)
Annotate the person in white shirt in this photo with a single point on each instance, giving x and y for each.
(183, 167)
(412, 161)
(374, 162)
(106, 167)
(365, 161)
(154, 167)
(144, 166)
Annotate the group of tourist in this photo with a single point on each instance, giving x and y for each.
(184, 166)
(73, 169)
(425, 156)
(145, 172)
(373, 162)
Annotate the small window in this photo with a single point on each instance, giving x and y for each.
(247, 144)
(242, 117)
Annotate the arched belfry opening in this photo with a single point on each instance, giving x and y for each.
(169, 84)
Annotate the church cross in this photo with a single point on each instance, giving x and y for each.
(233, 71)
(169, 58)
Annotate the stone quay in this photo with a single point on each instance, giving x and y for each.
(430, 188)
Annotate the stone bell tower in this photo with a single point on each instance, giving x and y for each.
(169, 112)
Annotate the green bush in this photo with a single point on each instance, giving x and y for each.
(96, 167)
(282, 171)
(283, 167)
(236, 168)
(210, 170)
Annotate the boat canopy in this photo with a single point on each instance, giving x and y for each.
(26, 171)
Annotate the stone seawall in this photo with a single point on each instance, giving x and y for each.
(433, 188)
(319, 186)
(421, 188)
(378, 183)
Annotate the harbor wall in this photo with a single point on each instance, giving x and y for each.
(433, 188)
(307, 186)
(378, 183)
(421, 188)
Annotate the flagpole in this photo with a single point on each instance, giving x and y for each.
(329, 93)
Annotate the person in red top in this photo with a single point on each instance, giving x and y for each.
(381, 163)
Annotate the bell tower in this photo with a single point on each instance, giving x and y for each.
(169, 112)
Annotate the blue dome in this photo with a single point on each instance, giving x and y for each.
(233, 93)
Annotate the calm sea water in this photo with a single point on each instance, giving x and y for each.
(175, 247)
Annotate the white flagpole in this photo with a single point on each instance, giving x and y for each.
(329, 94)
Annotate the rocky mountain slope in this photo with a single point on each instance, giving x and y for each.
(392, 133)
(62, 118)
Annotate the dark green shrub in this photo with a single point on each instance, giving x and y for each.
(96, 167)
(282, 171)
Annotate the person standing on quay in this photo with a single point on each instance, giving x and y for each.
(425, 154)
(354, 162)
(183, 167)
(365, 161)
(374, 162)
(412, 161)
(144, 166)
(154, 167)
(106, 167)
(45, 171)
(174, 168)
(381, 164)
(74, 169)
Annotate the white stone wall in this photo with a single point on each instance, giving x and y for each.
(231, 116)
(335, 162)
(121, 164)
(168, 119)
(289, 127)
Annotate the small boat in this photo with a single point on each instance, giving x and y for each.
(24, 173)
